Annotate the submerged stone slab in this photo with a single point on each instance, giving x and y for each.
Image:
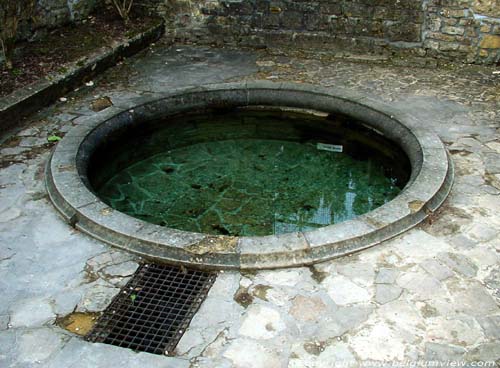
(430, 181)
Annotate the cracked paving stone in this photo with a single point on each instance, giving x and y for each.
(97, 297)
(421, 285)
(121, 270)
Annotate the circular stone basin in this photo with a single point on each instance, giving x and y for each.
(248, 172)
(248, 175)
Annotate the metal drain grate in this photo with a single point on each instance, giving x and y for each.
(154, 309)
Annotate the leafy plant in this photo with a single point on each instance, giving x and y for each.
(123, 7)
(17, 72)
(11, 13)
(53, 138)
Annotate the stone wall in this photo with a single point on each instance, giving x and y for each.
(50, 14)
(53, 13)
(457, 30)
(454, 31)
(442, 29)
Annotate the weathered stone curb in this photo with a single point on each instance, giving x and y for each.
(429, 185)
(29, 99)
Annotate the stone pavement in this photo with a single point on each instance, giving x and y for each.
(432, 293)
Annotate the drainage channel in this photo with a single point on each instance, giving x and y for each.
(154, 309)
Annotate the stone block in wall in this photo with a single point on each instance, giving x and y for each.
(451, 30)
(485, 28)
(80, 9)
(238, 7)
(262, 6)
(293, 20)
(448, 46)
(401, 31)
(330, 8)
(455, 13)
(352, 9)
(271, 21)
(487, 7)
(313, 22)
(490, 42)
(440, 36)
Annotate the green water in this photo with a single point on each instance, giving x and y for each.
(243, 184)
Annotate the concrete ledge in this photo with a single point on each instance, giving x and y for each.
(428, 187)
(32, 98)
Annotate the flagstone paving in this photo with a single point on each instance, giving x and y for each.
(432, 293)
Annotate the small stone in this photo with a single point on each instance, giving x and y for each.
(386, 276)
(442, 352)
(361, 273)
(261, 323)
(37, 345)
(482, 232)
(460, 332)
(459, 263)
(343, 291)
(245, 282)
(490, 42)
(283, 277)
(101, 104)
(379, 342)
(474, 300)
(32, 313)
(421, 285)
(307, 309)
(489, 352)
(245, 353)
(386, 293)
(97, 297)
(121, 270)
(451, 30)
(436, 269)
(491, 326)
(462, 241)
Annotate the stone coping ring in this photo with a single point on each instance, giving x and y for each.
(70, 192)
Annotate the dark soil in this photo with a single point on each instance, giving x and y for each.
(37, 59)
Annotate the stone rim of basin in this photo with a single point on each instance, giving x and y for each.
(430, 182)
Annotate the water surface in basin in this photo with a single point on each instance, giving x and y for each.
(250, 173)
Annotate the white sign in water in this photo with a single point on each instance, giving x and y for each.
(329, 147)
